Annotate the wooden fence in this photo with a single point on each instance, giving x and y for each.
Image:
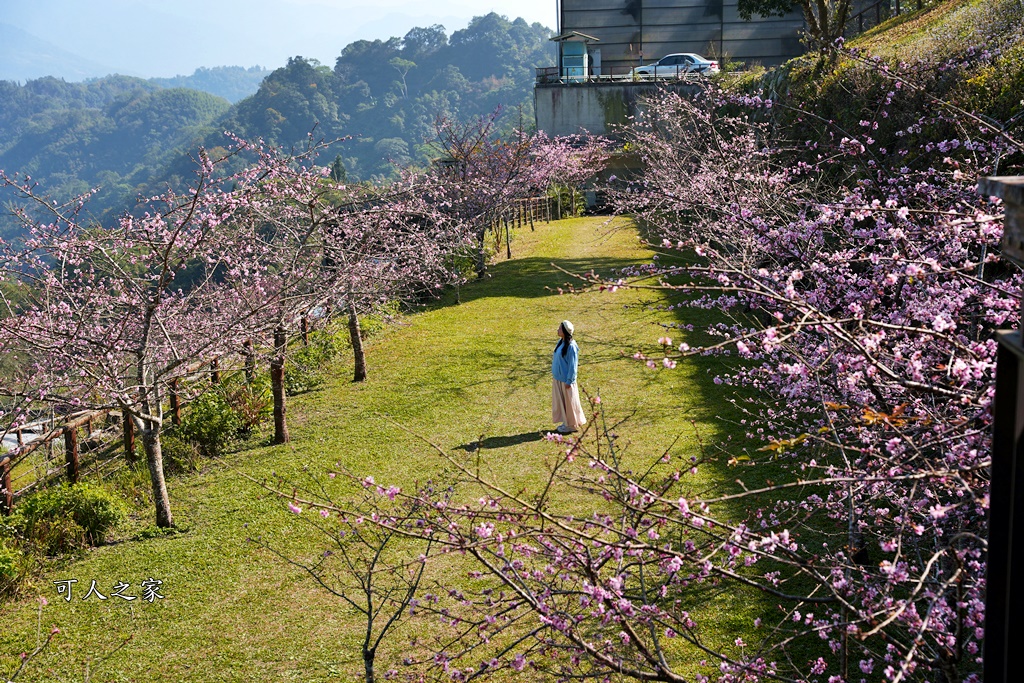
(523, 212)
(68, 428)
(47, 466)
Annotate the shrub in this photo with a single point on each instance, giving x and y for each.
(11, 569)
(68, 517)
(307, 366)
(210, 423)
(375, 323)
(251, 402)
(133, 483)
(180, 455)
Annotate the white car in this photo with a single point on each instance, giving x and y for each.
(678, 64)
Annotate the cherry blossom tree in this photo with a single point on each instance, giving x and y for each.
(394, 244)
(114, 316)
(376, 569)
(860, 279)
(483, 172)
(857, 280)
(284, 218)
(568, 161)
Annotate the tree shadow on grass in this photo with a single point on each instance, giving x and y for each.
(501, 441)
(533, 277)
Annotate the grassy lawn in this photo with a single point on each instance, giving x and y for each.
(456, 373)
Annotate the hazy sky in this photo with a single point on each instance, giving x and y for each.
(169, 37)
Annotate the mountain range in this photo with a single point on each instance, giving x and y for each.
(127, 137)
(24, 56)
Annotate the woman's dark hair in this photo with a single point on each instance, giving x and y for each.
(566, 339)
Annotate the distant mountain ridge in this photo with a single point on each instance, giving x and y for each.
(129, 137)
(114, 134)
(233, 83)
(25, 56)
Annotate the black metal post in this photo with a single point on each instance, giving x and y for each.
(1004, 629)
(1004, 600)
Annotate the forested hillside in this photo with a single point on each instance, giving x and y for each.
(233, 83)
(387, 94)
(113, 134)
(127, 136)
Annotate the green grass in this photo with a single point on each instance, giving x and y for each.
(938, 31)
(456, 373)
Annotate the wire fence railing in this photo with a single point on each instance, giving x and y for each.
(550, 75)
(883, 10)
(71, 447)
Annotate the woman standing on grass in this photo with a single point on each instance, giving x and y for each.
(565, 398)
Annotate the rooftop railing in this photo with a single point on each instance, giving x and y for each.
(550, 75)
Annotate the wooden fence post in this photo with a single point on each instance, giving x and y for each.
(6, 495)
(175, 403)
(71, 453)
(129, 437)
(532, 205)
(49, 443)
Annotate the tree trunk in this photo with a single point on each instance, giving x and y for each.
(155, 460)
(129, 437)
(368, 657)
(249, 351)
(359, 355)
(481, 254)
(277, 386)
(175, 403)
(6, 495)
